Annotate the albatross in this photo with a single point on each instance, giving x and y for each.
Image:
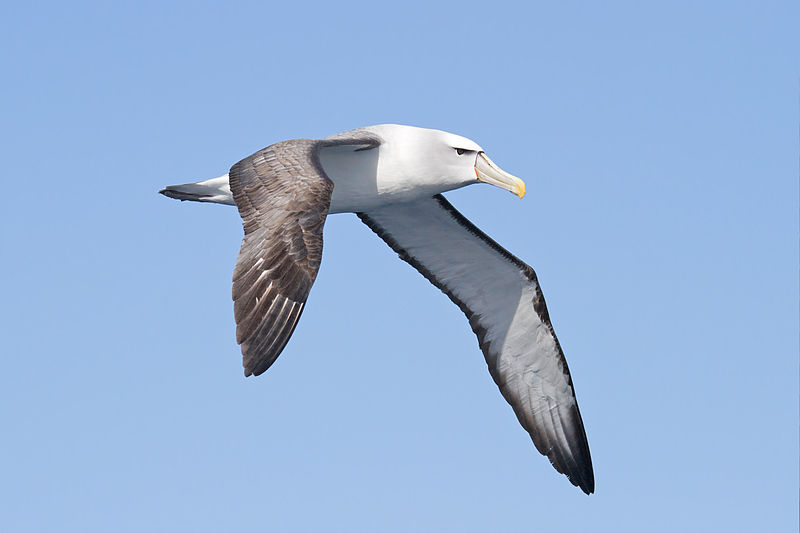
(392, 177)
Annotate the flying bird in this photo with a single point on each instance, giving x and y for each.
(392, 177)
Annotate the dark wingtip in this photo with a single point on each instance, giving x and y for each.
(583, 476)
(578, 469)
(583, 479)
(255, 370)
(252, 368)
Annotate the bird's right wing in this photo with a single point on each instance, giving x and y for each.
(283, 196)
(502, 300)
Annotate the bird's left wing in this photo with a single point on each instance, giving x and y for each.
(502, 300)
(283, 196)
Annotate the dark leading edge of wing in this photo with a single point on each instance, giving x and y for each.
(502, 300)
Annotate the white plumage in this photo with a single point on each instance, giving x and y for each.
(392, 177)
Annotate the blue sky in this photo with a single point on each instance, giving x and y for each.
(660, 149)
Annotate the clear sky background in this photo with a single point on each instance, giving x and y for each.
(660, 149)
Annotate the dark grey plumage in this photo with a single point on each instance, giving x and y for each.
(283, 197)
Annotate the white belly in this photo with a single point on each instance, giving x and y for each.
(356, 183)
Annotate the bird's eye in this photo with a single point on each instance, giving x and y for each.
(461, 151)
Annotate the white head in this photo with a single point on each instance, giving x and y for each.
(432, 161)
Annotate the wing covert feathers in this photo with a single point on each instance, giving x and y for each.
(283, 198)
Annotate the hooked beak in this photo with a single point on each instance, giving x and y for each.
(490, 173)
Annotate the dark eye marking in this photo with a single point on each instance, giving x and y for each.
(462, 151)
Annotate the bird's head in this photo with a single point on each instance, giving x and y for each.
(437, 160)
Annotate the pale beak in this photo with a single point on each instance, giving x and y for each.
(490, 173)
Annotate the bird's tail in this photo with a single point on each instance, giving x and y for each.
(216, 190)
